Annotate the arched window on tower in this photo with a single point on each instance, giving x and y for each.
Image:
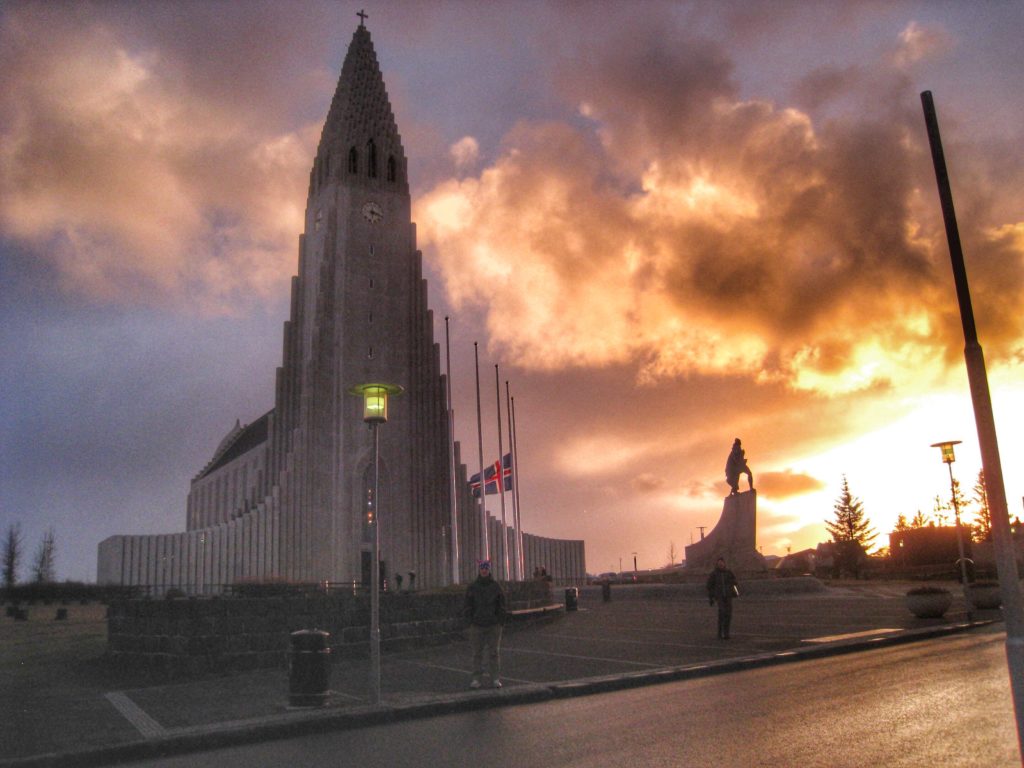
(392, 171)
(353, 161)
(371, 159)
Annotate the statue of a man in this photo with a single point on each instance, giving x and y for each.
(735, 466)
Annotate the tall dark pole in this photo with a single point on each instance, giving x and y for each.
(452, 489)
(1006, 559)
(375, 575)
(499, 475)
(484, 527)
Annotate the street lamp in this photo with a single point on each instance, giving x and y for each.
(948, 457)
(375, 413)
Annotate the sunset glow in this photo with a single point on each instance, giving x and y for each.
(669, 225)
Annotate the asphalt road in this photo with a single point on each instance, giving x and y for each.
(941, 702)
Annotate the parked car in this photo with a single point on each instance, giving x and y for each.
(607, 578)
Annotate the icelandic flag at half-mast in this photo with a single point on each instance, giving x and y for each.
(491, 474)
(503, 469)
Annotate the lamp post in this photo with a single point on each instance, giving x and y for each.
(948, 457)
(985, 420)
(375, 413)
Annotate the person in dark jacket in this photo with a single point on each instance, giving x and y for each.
(722, 588)
(485, 612)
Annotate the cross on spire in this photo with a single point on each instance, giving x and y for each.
(363, 16)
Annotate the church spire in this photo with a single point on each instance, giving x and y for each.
(360, 139)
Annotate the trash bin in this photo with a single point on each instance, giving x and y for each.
(606, 591)
(310, 671)
(572, 598)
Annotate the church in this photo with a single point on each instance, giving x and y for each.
(289, 497)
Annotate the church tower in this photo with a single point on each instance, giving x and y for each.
(359, 314)
(286, 497)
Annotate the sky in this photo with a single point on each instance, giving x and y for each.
(669, 224)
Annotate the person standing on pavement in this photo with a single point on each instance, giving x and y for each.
(485, 612)
(722, 588)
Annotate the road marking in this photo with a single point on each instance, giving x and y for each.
(586, 658)
(145, 724)
(851, 635)
(623, 640)
(466, 672)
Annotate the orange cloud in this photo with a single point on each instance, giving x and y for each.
(685, 231)
(783, 485)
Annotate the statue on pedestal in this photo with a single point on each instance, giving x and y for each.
(735, 466)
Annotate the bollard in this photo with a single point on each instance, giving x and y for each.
(572, 596)
(606, 591)
(310, 672)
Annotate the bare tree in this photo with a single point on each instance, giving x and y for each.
(44, 566)
(12, 554)
(672, 553)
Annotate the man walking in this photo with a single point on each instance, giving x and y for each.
(485, 611)
(722, 588)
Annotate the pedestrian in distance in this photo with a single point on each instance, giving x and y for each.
(485, 612)
(722, 588)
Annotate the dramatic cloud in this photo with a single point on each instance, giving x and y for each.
(134, 182)
(689, 232)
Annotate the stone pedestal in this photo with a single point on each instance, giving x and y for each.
(733, 538)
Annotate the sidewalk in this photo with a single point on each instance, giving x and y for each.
(646, 634)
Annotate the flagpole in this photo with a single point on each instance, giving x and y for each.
(500, 474)
(515, 503)
(451, 458)
(515, 487)
(486, 539)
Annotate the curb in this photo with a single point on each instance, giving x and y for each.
(298, 723)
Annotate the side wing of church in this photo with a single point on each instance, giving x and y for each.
(285, 498)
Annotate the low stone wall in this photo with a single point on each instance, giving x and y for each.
(797, 585)
(192, 636)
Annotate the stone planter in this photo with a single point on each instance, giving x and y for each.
(986, 597)
(931, 604)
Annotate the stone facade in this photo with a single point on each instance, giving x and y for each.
(285, 497)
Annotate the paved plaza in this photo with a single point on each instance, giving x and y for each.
(643, 635)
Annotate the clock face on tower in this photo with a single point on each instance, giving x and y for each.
(373, 212)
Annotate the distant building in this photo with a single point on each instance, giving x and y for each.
(930, 545)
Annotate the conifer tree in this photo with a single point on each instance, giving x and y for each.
(850, 523)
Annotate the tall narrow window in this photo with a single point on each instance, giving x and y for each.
(391, 168)
(353, 161)
(371, 159)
